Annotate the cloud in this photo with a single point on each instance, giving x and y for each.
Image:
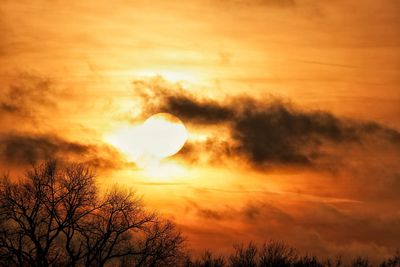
(26, 95)
(28, 148)
(206, 112)
(271, 132)
(30, 108)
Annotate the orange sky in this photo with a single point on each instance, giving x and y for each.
(292, 109)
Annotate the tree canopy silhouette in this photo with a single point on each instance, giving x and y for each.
(55, 216)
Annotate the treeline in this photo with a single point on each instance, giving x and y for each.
(56, 216)
(278, 254)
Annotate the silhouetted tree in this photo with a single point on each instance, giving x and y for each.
(308, 261)
(360, 262)
(244, 256)
(393, 261)
(55, 216)
(276, 253)
(206, 260)
(337, 262)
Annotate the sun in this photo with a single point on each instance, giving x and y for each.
(164, 135)
(160, 136)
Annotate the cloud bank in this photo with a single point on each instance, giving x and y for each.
(272, 132)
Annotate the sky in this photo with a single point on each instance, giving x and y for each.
(292, 111)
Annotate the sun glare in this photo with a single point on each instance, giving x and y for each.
(160, 136)
(164, 135)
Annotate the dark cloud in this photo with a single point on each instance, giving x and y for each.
(26, 94)
(8, 107)
(28, 105)
(271, 132)
(204, 112)
(20, 149)
(30, 149)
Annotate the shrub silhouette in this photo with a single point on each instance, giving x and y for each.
(278, 254)
(55, 216)
(360, 262)
(244, 256)
(393, 261)
(308, 261)
(206, 260)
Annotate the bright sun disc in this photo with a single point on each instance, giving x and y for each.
(164, 135)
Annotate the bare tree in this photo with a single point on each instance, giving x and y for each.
(55, 216)
(244, 256)
(360, 262)
(308, 261)
(276, 253)
(392, 261)
(206, 260)
(337, 262)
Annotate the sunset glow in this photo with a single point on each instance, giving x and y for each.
(239, 121)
